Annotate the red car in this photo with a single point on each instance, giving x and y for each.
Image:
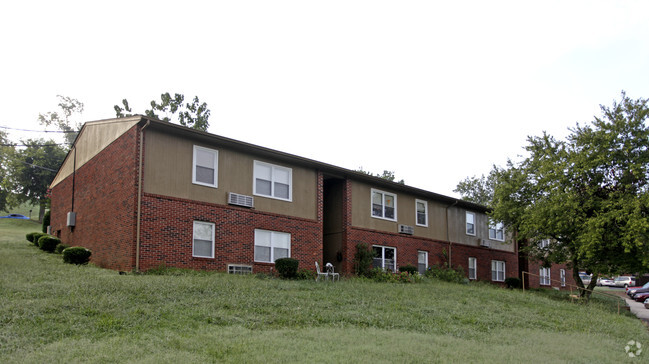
(641, 297)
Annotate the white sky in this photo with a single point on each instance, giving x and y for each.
(435, 91)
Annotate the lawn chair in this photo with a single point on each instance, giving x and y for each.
(320, 274)
(330, 272)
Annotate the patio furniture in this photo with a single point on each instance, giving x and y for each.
(330, 271)
(320, 274)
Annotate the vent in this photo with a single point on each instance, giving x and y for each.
(405, 229)
(72, 218)
(240, 200)
(485, 243)
(239, 269)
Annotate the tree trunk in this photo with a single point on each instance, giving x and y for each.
(41, 211)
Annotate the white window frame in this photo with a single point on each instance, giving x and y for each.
(212, 226)
(544, 243)
(473, 268)
(383, 248)
(215, 166)
(273, 169)
(425, 203)
(273, 236)
(419, 252)
(562, 277)
(544, 277)
(494, 228)
(472, 214)
(383, 195)
(497, 269)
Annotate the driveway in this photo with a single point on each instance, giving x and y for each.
(638, 309)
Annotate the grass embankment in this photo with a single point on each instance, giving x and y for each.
(54, 312)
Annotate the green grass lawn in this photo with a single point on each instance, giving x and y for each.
(54, 312)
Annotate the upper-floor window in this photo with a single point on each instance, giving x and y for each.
(470, 223)
(273, 181)
(271, 245)
(496, 231)
(422, 212)
(203, 240)
(205, 166)
(384, 205)
(544, 243)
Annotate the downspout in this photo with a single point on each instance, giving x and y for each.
(139, 199)
(450, 244)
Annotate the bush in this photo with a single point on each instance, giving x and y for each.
(306, 274)
(36, 237)
(46, 221)
(409, 268)
(76, 255)
(287, 267)
(30, 237)
(48, 243)
(363, 260)
(513, 282)
(59, 248)
(447, 274)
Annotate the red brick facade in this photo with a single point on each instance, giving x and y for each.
(532, 280)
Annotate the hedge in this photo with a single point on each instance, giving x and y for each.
(76, 255)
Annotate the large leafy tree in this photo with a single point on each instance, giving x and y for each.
(6, 150)
(31, 169)
(387, 175)
(588, 194)
(478, 189)
(191, 114)
(65, 119)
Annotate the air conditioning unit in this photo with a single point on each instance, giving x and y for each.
(240, 200)
(72, 218)
(485, 243)
(405, 229)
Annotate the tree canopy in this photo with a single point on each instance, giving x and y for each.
(194, 115)
(478, 189)
(588, 194)
(63, 118)
(387, 175)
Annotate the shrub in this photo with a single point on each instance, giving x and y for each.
(48, 243)
(363, 260)
(46, 221)
(76, 255)
(59, 248)
(306, 274)
(447, 274)
(287, 267)
(30, 237)
(513, 282)
(409, 268)
(36, 237)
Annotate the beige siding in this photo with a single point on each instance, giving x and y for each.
(168, 171)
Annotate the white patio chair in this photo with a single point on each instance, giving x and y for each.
(320, 274)
(330, 271)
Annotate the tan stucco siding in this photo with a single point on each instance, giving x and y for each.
(406, 215)
(168, 172)
(94, 137)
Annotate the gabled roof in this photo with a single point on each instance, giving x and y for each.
(106, 131)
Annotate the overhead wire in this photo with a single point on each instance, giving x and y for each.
(40, 131)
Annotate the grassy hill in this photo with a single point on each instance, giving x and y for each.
(54, 312)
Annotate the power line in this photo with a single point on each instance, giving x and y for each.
(35, 166)
(40, 131)
(31, 145)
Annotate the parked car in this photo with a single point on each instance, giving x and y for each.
(604, 281)
(630, 291)
(15, 216)
(646, 303)
(624, 281)
(641, 297)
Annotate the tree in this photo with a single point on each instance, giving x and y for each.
(588, 194)
(6, 149)
(31, 170)
(387, 175)
(478, 190)
(194, 115)
(63, 119)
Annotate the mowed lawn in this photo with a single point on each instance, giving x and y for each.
(51, 312)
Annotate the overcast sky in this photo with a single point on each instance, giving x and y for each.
(434, 91)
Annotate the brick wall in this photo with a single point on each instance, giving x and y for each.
(105, 198)
(460, 255)
(533, 281)
(167, 229)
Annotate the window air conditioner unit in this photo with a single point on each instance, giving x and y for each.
(240, 200)
(72, 218)
(405, 229)
(485, 243)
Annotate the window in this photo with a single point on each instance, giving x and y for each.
(384, 205)
(203, 240)
(497, 271)
(205, 170)
(385, 258)
(470, 223)
(422, 212)
(473, 269)
(273, 181)
(271, 245)
(562, 277)
(544, 274)
(544, 244)
(422, 261)
(496, 231)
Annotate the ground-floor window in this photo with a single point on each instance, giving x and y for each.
(562, 277)
(203, 240)
(473, 270)
(271, 245)
(544, 274)
(497, 270)
(385, 257)
(422, 261)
